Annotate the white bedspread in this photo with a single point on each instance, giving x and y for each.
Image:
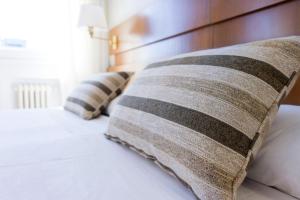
(54, 155)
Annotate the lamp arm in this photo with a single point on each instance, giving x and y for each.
(91, 32)
(113, 42)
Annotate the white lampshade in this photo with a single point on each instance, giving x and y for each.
(92, 16)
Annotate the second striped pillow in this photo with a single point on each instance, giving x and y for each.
(89, 99)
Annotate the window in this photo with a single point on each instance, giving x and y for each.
(34, 24)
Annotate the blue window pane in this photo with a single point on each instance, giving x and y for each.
(14, 43)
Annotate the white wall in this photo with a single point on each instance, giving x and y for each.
(48, 44)
(57, 48)
(19, 64)
(120, 10)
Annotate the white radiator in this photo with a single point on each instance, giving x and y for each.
(32, 94)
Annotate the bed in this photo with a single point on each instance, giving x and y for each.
(61, 156)
(53, 154)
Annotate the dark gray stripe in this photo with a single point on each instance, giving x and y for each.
(260, 69)
(291, 78)
(81, 103)
(118, 91)
(101, 109)
(124, 75)
(200, 122)
(234, 96)
(99, 85)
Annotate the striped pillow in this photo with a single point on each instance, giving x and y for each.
(202, 116)
(89, 99)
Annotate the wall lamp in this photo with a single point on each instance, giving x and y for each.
(92, 16)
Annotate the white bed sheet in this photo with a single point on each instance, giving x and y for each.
(54, 155)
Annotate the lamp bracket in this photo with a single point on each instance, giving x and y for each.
(113, 42)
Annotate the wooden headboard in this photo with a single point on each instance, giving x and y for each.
(171, 27)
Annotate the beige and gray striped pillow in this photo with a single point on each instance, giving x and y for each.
(202, 116)
(89, 99)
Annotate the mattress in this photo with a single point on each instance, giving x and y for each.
(52, 154)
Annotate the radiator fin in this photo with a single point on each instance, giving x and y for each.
(34, 94)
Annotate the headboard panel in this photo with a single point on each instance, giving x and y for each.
(171, 27)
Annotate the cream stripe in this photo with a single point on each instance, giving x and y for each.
(233, 96)
(103, 77)
(104, 80)
(110, 85)
(243, 81)
(200, 144)
(221, 110)
(91, 93)
(93, 88)
(118, 77)
(78, 110)
(114, 81)
(164, 158)
(200, 187)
